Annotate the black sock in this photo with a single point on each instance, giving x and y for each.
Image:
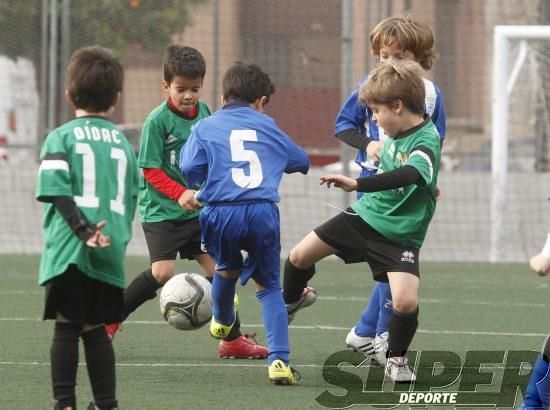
(295, 280)
(402, 328)
(64, 358)
(143, 288)
(100, 360)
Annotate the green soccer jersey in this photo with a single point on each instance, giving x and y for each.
(402, 215)
(164, 133)
(88, 160)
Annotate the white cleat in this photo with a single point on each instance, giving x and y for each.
(381, 347)
(399, 371)
(309, 296)
(361, 344)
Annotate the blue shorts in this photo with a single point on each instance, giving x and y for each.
(255, 228)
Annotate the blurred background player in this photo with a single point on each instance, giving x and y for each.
(537, 395)
(386, 227)
(241, 155)
(393, 40)
(88, 179)
(167, 205)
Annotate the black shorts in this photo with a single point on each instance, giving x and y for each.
(168, 238)
(357, 241)
(81, 299)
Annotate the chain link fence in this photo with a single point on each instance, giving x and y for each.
(316, 51)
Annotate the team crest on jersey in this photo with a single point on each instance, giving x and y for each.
(407, 256)
(401, 158)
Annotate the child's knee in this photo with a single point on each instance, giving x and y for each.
(298, 258)
(163, 271)
(405, 303)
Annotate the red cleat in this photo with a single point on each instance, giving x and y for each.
(111, 330)
(243, 347)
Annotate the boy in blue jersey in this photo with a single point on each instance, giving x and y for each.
(537, 395)
(240, 155)
(387, 226)
(393, 40)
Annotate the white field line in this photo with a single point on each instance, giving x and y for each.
(261, 363)
(360, 299)
(306, 327)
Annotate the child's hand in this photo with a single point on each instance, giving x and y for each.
(540, 265)
(188, 201)
(339, 181)
(373, 150)
(98, 239)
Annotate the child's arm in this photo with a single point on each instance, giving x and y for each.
(170, 188)
(350, 119)
(86, 231)
(398, 178)
(439, 116)
(540, 263)
(298, 161)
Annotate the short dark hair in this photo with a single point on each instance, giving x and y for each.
(246, 82)
(183, 61)
(94, 78)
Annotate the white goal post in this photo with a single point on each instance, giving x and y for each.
(503, 82)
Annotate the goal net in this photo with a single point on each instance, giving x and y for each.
(520, 157)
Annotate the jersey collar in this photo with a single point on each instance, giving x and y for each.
(413, 129)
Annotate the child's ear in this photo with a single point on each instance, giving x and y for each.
(117, 99)
(165, 86)
(69, 98)
(223, 100)
(397, 106)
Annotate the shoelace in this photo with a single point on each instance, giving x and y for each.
(251, 336)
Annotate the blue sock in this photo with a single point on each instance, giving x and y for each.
(385, 309)
(223, 293)
(275, 323)
(366, 327)
(537, 394)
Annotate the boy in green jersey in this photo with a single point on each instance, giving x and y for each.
(88, 179)
(168, 209)
(387, 226)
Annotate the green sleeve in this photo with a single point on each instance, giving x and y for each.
(422, 158)
(151, 145)
(54, 177)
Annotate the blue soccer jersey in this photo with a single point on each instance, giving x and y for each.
(240, 154)
(353, 115)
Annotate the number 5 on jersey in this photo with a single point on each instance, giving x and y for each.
(239, 153)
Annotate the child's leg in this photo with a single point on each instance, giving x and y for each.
(144, 286)
(275, 323)
(366, 326)
(385, 309)
(404, 320)
(208, 266)
(300, 265)
(100, 361)
(223, 294)
(64, 362)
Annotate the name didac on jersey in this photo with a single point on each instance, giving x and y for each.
(97, 134)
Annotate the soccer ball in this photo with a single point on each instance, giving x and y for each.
(186, 301)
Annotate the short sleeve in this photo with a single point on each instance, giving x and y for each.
(151, 145)
(54, 178)
(422, 159)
